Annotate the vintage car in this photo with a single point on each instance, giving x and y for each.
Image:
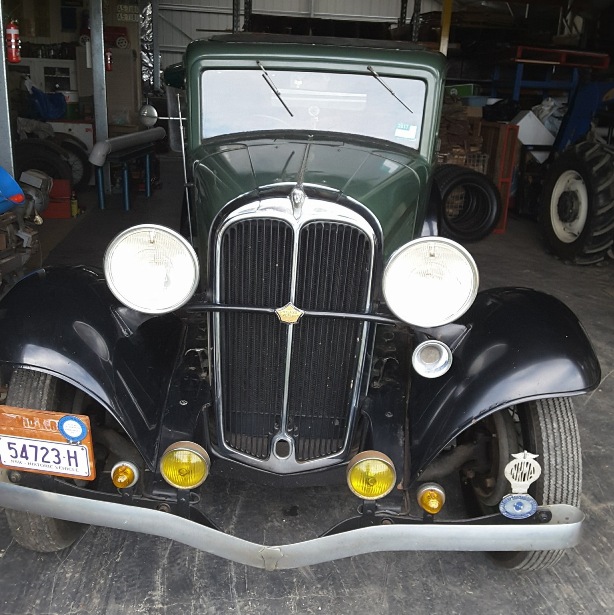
(311, 327)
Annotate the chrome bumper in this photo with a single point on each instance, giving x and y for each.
(561, 532)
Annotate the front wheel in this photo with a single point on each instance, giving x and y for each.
(577, 204)
(547, 428)
(29, 389)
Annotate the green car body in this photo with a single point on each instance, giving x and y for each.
(390, 179)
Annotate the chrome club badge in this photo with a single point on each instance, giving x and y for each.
(522, 471)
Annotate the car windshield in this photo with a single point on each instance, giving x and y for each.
(371, 104)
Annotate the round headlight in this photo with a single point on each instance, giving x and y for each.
(430, 282)
(151, 269)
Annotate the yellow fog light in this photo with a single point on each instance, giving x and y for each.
(431, 498)
(371, 475)
(124, 474)
(185, 465)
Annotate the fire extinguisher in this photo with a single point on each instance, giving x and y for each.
(13, 44)
(108, 60)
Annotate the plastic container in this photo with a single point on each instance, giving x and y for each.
(72, 104)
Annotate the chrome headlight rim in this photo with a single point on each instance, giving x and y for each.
(461, 309)
(121, 296)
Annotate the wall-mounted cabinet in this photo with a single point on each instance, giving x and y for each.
(47, 74)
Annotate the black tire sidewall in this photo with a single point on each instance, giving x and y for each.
(482, 207)
(575, 159)
(43, 156)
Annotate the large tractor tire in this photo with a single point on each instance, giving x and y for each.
(43, 155)
(577, 204)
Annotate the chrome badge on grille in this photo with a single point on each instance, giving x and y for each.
(289, 314)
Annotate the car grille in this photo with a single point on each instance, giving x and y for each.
(300, 379)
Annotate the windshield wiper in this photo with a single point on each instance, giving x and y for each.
(270, 83)
(380, 80)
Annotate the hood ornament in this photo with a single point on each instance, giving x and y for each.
(298, 196)
(289, 314)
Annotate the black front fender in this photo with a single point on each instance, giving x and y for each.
(65, 321)
(513, 345)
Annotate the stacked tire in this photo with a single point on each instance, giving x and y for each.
(471, 203)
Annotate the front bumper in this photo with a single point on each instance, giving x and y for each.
(562, 531)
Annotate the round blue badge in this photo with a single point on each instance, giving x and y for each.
(518, 506)
(72, 428)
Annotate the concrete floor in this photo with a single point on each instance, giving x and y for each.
(116, 572)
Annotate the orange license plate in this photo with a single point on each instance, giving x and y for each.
(46, 442)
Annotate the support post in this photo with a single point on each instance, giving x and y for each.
(99, 81)
(6, 151)
(446, 21)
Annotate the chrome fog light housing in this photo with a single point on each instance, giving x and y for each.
(432, 359)
(431, 498)
(371, 475)
(430, 282)
(185, 465)
(151, 269)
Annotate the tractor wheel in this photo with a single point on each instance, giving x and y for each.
(577, 204)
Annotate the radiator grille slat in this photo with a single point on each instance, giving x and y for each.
(333, 270)
(256, 271)
(333, 274)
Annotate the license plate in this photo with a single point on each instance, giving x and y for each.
(46, 442)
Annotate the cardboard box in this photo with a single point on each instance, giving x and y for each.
(532, 132)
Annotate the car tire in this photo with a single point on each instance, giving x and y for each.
(29, 389)
(43, 155)
(547, 428)
(471, 203)
(76, 156)
(577, 204)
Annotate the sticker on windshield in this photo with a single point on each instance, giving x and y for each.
(406, 131)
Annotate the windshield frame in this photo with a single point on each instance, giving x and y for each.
(361, 104)
(425, 65)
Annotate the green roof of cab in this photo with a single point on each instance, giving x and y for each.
(392, 58)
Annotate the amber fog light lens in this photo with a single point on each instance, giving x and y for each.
(371, 475)
(124, 474)
(431, 498)
(185, 465)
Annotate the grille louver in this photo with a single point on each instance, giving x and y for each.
(321, 266)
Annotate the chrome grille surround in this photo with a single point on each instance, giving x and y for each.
(260, 451)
